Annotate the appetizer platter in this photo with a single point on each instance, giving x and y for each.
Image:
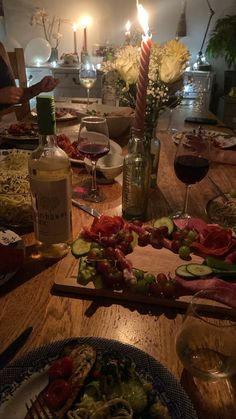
(114, 379)
(20, 131)
(162, 264)
(218, 139)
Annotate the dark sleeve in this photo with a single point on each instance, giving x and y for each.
(6, 79)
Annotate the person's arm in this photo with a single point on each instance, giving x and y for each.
(47, 84)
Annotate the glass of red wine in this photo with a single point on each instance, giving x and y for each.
(191, 164)
(93, 143)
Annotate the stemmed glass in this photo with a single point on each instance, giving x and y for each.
(191, 164)
(206, 345)
(93, 143)
(88, 76)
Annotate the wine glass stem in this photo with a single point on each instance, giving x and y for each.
(94, 182)
(187, 189)
(88, 96)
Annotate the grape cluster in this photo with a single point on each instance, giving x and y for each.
(181, 242)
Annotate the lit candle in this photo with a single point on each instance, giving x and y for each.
(142, 83)
(84, 23)
(127, 32)
(75, 39)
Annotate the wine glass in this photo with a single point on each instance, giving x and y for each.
(93, 143)
(88, 76)
(205, 345)
(191, 164)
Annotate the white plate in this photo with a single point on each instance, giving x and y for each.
(8, 237)
(218, 139)
(114, 148)
(23, 380)
(37, 51)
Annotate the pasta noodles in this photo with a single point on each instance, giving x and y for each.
(15, 202)
(224, 214)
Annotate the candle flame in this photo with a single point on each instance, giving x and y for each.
(143, 18)
(128, 26)
(74, 27)
(85, 21)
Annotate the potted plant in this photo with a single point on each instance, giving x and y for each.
(222, 44)
(222, 40)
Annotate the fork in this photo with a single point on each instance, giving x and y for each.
(38, 410)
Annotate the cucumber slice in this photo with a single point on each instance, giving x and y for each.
(225, 274)
(196, 269)
(182, 271)
(164, 221)
(219, 264)
(80, 247)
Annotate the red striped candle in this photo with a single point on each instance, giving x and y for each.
(142, 83)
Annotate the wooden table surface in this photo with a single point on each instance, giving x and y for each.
(27, 300)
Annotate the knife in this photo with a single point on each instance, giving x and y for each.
(83, 207)
(221, 193)
(7, 355)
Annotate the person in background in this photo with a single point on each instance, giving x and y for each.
(9, 93)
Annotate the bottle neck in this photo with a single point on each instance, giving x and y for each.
(136, 143)
(49, 140)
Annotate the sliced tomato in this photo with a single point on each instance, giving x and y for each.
(56, 393)
(61, 368)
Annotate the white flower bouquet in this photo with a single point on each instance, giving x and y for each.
(167, 64)
(51, 26)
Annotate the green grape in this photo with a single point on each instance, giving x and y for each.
(192, 235)
(184, 252)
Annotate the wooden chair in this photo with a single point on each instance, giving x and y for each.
(17, 61)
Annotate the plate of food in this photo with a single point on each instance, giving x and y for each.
(15, 200)
(20, 131)
(218, 139)
(62, 114)
(137, 386)
(222, 211)
(11, 254)
(70, 146)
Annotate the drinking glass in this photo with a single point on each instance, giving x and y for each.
(93, 143)
(88, 76)
(206, 346)
(191, 164)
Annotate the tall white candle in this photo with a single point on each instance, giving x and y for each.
(75, 38)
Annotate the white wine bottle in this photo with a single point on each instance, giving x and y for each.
(51, 187)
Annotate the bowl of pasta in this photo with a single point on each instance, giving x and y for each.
(15, 200)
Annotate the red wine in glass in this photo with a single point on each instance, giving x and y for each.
(191, 169)
(93, 151)
(191, 165)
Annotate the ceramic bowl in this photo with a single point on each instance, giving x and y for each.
(110, 166)
(119, 118)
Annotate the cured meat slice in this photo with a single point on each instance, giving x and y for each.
(186, 287)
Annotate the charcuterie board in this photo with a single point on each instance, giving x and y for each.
(145, 258)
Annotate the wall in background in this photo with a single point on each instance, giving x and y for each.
(109, 18)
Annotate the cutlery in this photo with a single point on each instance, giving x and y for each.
(221, 193)
(7, 355)
(83, 207)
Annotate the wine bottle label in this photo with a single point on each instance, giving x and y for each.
(52, 210)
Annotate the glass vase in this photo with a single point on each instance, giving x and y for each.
(54, 55)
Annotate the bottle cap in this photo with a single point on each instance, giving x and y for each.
(45, 106)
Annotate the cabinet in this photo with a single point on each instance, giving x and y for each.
(69, 85)
(198, 83)
(227, 110)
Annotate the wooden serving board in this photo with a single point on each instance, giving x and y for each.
(145, 258)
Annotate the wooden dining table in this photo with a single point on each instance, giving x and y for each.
(29, 298)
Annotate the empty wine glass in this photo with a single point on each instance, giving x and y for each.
(191, 164)
(88, 76)
(93, 143)
(206, 345)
